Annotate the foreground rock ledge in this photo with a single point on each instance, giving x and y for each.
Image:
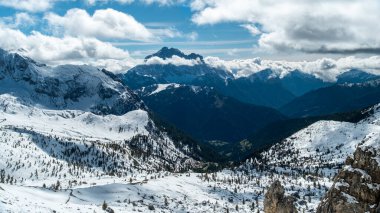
(356, 188)
(276, 202)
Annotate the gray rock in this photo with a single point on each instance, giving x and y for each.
(276, 202)
(356, 187)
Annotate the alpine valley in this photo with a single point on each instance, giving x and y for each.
(179, 133)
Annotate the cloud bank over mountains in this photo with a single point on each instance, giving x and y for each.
(79, 38)
(174, 60)
(326, 69)
(83, 35)
(54, 50)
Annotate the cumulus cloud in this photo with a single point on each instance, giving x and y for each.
(106, 24)
(73, 50)
(325, 68)
(103, 24)
(28, 5)
(174, 60)
(319, 26)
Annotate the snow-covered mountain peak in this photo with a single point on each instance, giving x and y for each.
(65, 87)
(79, 115)
(166, 53)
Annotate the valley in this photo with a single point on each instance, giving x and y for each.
(85, 142)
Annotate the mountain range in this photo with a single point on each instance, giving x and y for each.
(82, 110)
(207, 103)
(179, 138)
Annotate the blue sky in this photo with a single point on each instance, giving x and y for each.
(122, 32)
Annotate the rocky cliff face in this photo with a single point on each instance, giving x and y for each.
(357, 186)
(276, 202)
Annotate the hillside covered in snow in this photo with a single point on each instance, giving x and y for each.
(52, 166)
(75, 122)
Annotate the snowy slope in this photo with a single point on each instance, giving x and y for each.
(238, 189)
(66, 139)
(75, 122)
(157, 88)
(324, 143)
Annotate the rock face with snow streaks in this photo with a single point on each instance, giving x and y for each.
(357, 186)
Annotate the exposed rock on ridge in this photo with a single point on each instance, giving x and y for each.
(276, 201)
(357, 186)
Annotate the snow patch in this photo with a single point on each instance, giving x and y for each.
(162, 87)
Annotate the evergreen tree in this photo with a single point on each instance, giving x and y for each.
(104, 206)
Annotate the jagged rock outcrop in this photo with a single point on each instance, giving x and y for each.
(276, 202)
(356, 188)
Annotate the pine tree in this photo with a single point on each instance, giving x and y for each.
(104, 206)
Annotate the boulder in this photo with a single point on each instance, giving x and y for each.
(276, 202)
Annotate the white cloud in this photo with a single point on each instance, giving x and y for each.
(103, 24)
(148, 2)
(94, 2)
(54, 51)
(252, 29)
(22, 19)
(334, 26)
(174, 60)
(115, 65)
(125, 1)
(192, 36)
(163, 2)
(28, 5)
(325, 68)
(166, 32)
(90, 2)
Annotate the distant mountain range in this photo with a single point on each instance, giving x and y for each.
(334, 99)
(265, 88)
(197, 101)
(215, 106)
